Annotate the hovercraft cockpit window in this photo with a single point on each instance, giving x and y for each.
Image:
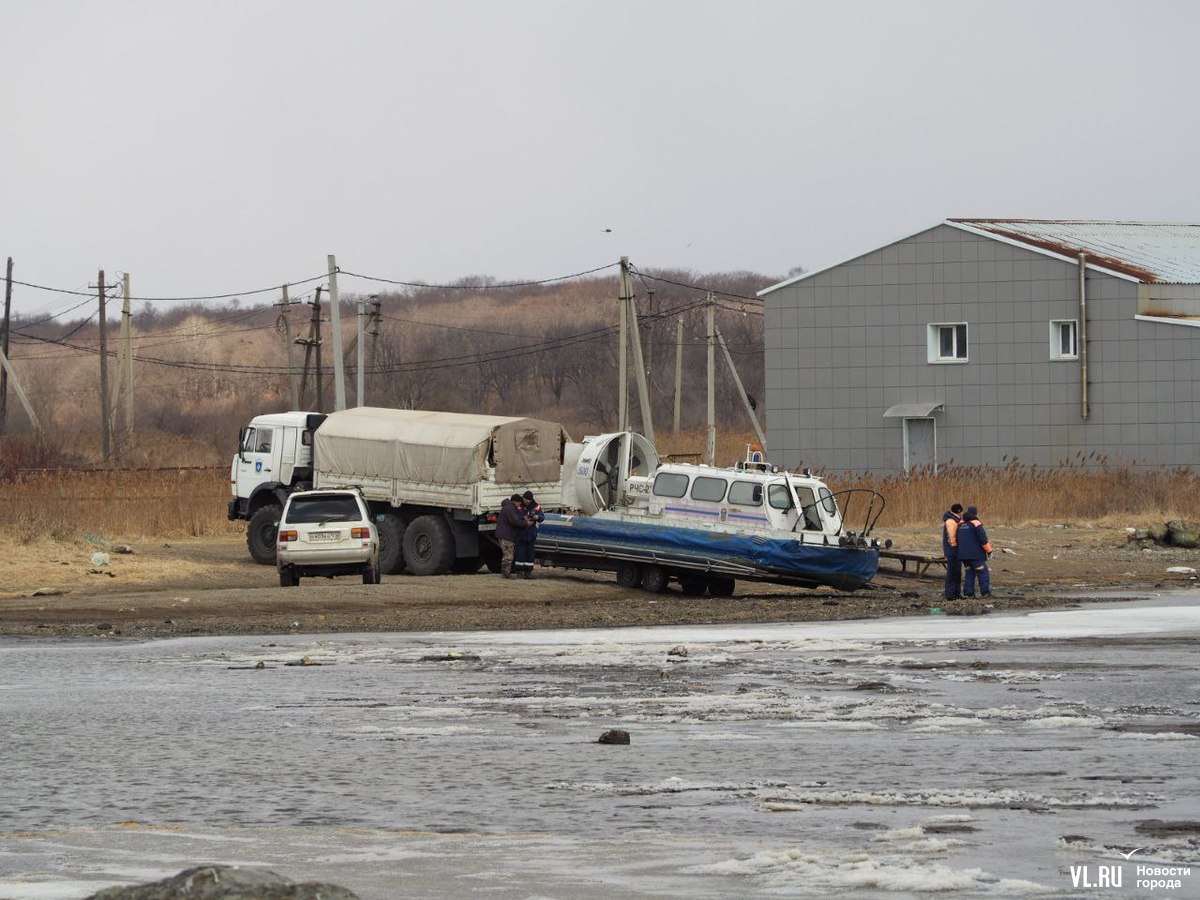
(779, 497)
(710, 490)
(670, 484)
(745, 493)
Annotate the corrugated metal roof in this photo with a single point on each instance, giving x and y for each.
(1152, 252)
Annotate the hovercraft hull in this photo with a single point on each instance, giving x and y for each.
(746, 555)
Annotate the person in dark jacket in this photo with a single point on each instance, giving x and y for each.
(528, 538)
(973, 552)
(950, 522)
(510, 525)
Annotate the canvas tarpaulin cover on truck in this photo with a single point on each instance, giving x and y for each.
(438, 447)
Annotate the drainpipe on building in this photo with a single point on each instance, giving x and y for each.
(1083, 373)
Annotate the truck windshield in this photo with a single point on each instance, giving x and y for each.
(306, 510)
(258, 440)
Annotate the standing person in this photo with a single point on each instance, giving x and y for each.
(950, 522)
(510, 525)
(525, 544)
(973, 551)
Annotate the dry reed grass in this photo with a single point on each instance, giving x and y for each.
(688, 445)
(1018, 494)
(66, 504)
(127, 504)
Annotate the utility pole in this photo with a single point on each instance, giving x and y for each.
(710, 441)
(335, 322)
(6, 367)
(648, 347)
(285, 317)
(318, 349)
(360, 337)
(643, 389)
(678, 369)
(313, 345)
(374, 323)
(105, 420)
(124, 391)
(623, 292)
(737, 380)
(4, 346)
(316, 344)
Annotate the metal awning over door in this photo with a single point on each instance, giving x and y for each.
(913, 410)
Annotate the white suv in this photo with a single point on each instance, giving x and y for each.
(327, 533)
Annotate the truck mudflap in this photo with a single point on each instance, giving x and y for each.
(572, 540)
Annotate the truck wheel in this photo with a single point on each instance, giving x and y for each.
(428, 546)
(262, 532)
(287, 577)
(629, 575)
(721, 587)
(693, 586)
(391, 544)
(654, 579)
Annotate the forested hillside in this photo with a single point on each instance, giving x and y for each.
(548, 350)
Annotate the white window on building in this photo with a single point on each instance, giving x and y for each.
(948, 342)
(1064, 339)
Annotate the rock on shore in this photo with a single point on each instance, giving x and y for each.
(226, 883)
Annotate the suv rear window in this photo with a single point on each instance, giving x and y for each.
(306, 510)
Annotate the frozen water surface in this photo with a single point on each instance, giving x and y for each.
(1016, 755)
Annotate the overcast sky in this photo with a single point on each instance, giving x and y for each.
(213, 147)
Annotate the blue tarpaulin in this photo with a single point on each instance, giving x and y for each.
(750, 555)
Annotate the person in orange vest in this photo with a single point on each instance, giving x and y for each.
(973, 551)
(950, 523)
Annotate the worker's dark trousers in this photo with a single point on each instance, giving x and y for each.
(953, 576)
(524, 562)
(976, 568)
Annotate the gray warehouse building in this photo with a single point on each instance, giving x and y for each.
(984, 341)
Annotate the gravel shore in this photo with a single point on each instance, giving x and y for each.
(209, 586)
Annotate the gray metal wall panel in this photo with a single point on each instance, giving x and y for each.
(858, 346)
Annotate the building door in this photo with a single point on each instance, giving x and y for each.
(920, 444)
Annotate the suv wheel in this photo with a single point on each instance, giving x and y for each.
(288, 577)
(370, 573)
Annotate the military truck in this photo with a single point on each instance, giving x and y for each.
(431, 479)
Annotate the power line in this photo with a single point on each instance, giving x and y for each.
(489, 356)
(479, 287)
(229, 296)
(275, 287)
(695, 287)
(458, 327)
(58, 315)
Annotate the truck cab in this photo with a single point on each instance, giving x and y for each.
(274, 458)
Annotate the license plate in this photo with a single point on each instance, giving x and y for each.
(322, 537)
